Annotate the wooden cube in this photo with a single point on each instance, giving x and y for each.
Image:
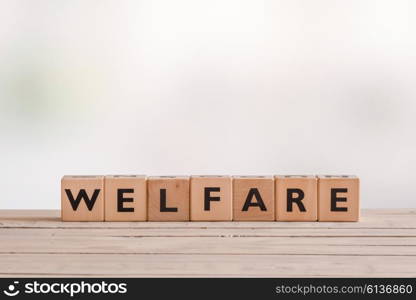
(296, 198)
(82, 198)
(125, 198)
(253, 198)
(211, 198)
(168, 198)
(339, 198)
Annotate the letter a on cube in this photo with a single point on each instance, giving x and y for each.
(253, 198)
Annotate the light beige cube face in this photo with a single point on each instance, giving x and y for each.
(253, 198)
(168, 198)
(296, 198)
(82, 198)
(125, 198)
(339, 198)
(211, 198)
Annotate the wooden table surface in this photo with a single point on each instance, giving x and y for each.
(37, 243)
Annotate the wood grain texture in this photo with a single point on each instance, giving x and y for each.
(345, 190)
(37, 243)
(168, 198)
(132, 191)
(292, 186)
(211, 198)
(80, 190)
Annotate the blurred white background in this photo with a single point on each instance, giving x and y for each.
(205, 87)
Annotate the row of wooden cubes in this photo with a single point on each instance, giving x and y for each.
(210, 198)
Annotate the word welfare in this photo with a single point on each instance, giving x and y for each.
(210, 198)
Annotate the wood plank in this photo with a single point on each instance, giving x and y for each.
(388, 219)
(362, 235)
(37, 243)
(204, 265)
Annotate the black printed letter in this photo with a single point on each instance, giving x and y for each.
(297, 200)
(82, 194)
(253, 192)
(163, 207)
(335, 199)
(208, 198)
(121, 200)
